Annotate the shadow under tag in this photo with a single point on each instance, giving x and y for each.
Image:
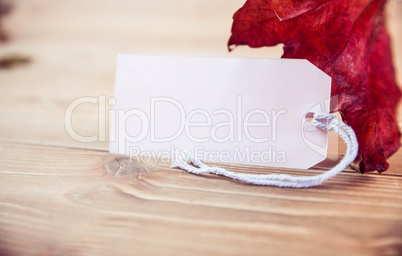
(228, 110)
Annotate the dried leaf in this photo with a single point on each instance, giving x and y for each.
(348, 41)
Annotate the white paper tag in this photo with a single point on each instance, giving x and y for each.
(229, 110)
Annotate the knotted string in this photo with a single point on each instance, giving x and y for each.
(325, 122)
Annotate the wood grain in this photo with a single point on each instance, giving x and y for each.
(131, 208)
(62, 197)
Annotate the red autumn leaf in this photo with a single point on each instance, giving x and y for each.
(348, 41)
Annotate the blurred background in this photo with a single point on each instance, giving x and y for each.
(64, 50)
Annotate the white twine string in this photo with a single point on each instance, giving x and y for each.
(326, 122)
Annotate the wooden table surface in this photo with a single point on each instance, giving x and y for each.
(63, 197)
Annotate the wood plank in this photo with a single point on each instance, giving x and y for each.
(57, 200)
(74, 44)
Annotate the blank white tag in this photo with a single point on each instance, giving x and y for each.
(230, 110)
